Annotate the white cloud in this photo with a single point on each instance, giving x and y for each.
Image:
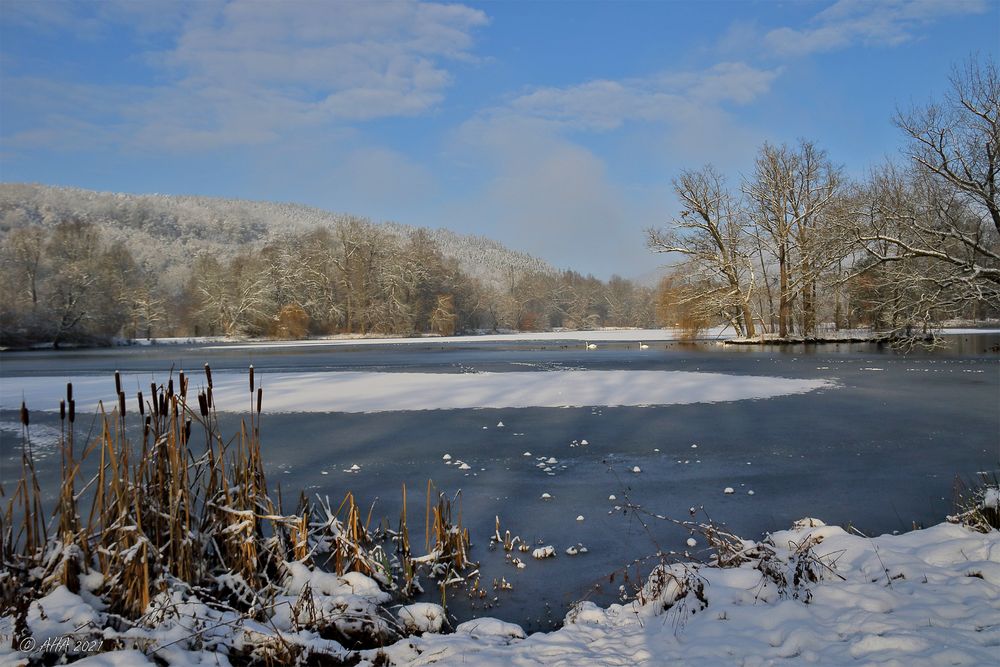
(667, 97)
(245, 73)
(868, 22)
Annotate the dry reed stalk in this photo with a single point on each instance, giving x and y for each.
(161, 515)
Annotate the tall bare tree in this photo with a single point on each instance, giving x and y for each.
(791, 191)
(935, 226)
(957, 141)
(712, 232)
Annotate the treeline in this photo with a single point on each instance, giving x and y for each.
(69, 282)
(797, 245)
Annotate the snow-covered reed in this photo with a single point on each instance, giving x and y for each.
(180, 529)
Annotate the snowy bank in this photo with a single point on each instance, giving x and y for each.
(561, 336)
(812, 595)
(379, 392)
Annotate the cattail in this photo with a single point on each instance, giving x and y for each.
(69, 391)
(146, 427)
(62, 411)
(24, 414)
(210, 399)
(155, 402)
(118, 382)
(72, 410)
(251, 379)
(170, 387)
(260, 398)
(208, 375)
(142, 407)
(187, 430)
(121, 404)
(163, 404)
(203, 403)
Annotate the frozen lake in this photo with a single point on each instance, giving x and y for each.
(848, 433)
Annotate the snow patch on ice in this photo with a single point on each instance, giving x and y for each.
(336, 391)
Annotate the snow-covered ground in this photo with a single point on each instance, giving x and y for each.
(379, 392)
(719, 333)
(811, 595)
(595, 337)
(929, 597)
(965, 332)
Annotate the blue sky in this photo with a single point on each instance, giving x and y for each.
(555, 127)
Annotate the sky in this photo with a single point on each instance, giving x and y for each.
(554, 127)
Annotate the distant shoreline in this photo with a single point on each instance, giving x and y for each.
(719, 334)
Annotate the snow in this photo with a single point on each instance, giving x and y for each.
(422, 617)
(49, 617)
(379, 392)
(930, 608)
(814, 594)
(965, 332)
(590, 337)
(116, 659)
(490, 628)
(991, 498)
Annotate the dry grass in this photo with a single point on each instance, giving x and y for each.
(977, 504)
(182, 507)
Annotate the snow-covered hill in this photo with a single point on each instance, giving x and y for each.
(165, 231)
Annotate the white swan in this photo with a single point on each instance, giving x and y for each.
(643, 346)
(590, 346)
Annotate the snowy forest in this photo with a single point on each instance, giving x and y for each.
(795, 248)
(83, 266)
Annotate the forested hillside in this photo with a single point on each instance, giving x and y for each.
(86, 266)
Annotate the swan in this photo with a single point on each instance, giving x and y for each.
(643, 346)
(590, 346)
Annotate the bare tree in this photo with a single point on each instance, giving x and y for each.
(791, 191)
(25, 248)
(233, 295)
(958, 141)
(712, 232)
(935, 228)
(898, 211)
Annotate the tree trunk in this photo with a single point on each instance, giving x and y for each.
(748, 321)
(784, 305)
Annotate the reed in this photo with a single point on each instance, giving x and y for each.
(168, 509)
